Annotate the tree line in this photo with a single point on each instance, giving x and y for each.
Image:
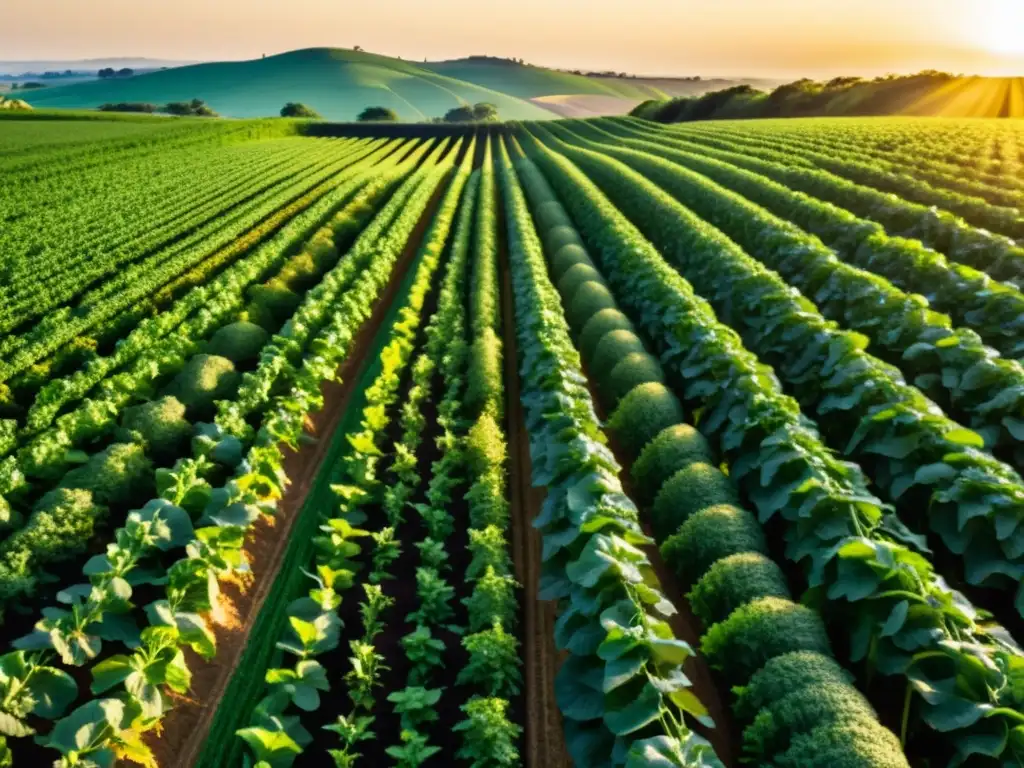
(482, 112)
(193, 108)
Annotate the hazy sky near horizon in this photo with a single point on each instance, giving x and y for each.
(771, 38)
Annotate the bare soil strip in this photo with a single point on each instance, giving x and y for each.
(544, 740)
(185, 729)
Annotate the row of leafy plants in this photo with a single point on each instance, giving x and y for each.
(219, 297)
(756, 637)
(971, 297)
(997, 255)
(274, 736)
(891, 615)
(949, 365)
(73, 256)
(1003, 220)
(197, 254)
(621, 689)
(924, 462)
(55, 530)
(492, 672)
(914, 160)
(210, 523)
(1002, 192)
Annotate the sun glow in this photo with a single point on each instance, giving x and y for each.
(1002, 27)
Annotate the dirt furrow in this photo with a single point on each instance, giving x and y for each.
(544, 741)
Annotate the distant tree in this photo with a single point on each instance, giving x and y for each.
(296, 109)
(462, 114)
(478, 113)
(125, 72)
(106, 72)
(378, 115)
(194, 108)
(29, 86)
(357, 47)
(129, 106)
(485, 112)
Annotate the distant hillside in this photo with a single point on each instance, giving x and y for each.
(340, 83)
(528, 82)
(336, 83)
(576, 93)
(86, 65)
(924, 94)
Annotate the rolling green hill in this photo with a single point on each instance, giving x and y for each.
(337, 83)
(529, 82)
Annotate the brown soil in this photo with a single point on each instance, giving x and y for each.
(184, 730)
(544, 741)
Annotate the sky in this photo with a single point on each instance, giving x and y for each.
(767, 38)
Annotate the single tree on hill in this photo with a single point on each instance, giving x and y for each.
(297, 109)
(378, 115)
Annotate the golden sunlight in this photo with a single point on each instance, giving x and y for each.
(1001, 29)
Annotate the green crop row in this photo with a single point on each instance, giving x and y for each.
(972, 298)
(997, 255)
(927, 464)
(101, 611)
(621, 690)
(865, 570)
(706, 537)
(276, 734)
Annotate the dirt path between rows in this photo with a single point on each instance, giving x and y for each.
(544, 740)
(184, 730)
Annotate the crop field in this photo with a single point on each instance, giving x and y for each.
(579, 442)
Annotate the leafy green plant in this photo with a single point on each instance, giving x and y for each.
(386, 551)
(99, 733)
(307, 639)
(424, 652)
(276, 741)
(364, 674)
(488, 738)
(302, 684)
(438, 520)
(493, 600)
(416, 705)
(489, 549)
(371, 608)
(352, 730)
(494, 662)
(435, 596)
(413, 752)
(433, 554)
